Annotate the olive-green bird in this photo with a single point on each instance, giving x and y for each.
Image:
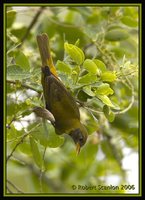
(58, 99)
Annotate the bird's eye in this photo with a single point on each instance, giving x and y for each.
(81, 141)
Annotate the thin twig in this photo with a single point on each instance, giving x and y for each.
(10, 155)
(87, 46)
(21, 140)
(129, 73)
(9, 124)
(92, 110)
(127, 108)
(10, 191)
(108, 55)
(14, 186)
(32, 24)
(25, 86)
(14, 139)
(130, 86)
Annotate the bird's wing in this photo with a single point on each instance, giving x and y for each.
(58, 100)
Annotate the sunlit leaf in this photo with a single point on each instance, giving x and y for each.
(75, 73)
(105, 99)
(75, 53)
(108, 76)
(63, 67)
(90, 66)
(101, 65)
(88, 78)
(104, 89)
(108, 113)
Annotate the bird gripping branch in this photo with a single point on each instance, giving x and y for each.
(58, 100)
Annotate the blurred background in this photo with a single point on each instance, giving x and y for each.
(111, 154)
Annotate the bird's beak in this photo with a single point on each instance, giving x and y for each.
(78, 147)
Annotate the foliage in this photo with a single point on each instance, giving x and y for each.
(95, 51)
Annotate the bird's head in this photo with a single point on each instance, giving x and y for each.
(79, 136)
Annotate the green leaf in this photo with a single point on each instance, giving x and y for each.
(129, 21)
(13, 133)
(77, 42)
(90, 66)
(120, 52)
(76, 69)
(104, 89)
(92, 123)
(113, 26)
(15, 72)
(47, 136)
(22, 61)
(11, 16)
(100, 64)
(11, 52)
(116, 35)
(70, 17)
(75, 53)
(111, 117)
(54, 140)
(11, 40)
(25, 148)
(130, 11)
(26, 112)
(87, 90)
(108, 113)
(88, 79)
(105, 100)
(63, 67)
(108, 76)
(20, 32)
(82, 96)
(36, 153)
(75, 73)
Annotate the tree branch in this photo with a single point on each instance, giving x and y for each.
(130, 86)
(55, 186)
(9, 190)
(25, 86)
(21, 140)
(32, 24)
(14, 186)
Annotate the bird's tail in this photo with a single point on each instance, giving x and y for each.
(43, 44)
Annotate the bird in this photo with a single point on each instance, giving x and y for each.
(58, 100)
